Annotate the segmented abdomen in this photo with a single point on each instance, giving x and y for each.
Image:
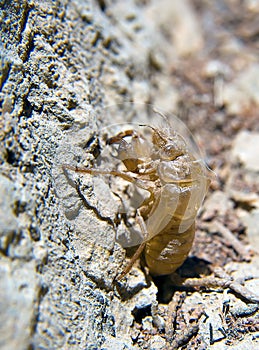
(167, 251)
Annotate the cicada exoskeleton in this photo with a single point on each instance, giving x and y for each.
(165, 163)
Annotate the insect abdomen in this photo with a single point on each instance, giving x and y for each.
(167, 251)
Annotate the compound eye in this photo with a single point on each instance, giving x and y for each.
(169, 148)
(170, 152)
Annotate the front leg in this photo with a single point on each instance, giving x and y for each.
(144, 184)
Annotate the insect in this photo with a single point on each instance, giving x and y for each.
(158, 160)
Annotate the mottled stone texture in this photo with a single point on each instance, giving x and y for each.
(62, 62)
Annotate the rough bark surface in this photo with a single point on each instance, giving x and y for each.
(62, 62)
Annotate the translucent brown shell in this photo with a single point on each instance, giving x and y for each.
(160, 157)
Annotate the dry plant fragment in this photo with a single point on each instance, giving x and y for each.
(221, 280)
(173, 307)
(237, 245)
(180, 337)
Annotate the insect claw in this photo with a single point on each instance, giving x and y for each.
(120, 276)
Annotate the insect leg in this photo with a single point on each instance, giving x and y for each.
(132, 261)
(140, 249)
(145, 185)
(142, 225)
